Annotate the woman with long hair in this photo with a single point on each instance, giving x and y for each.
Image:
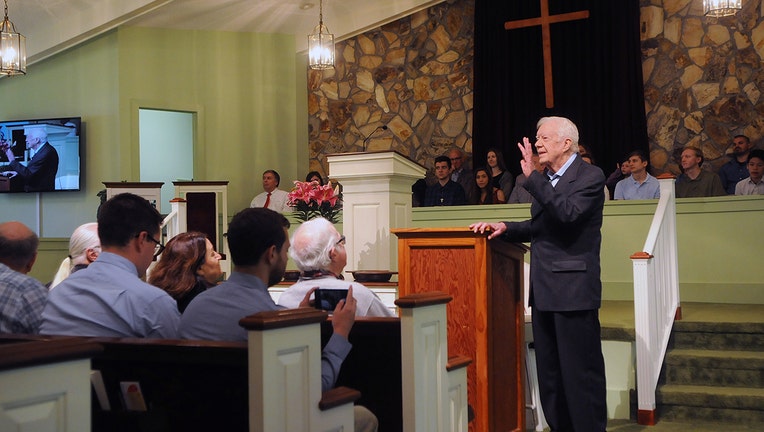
(488, 193)
(84, 248)
(188, 266)
(500, 177)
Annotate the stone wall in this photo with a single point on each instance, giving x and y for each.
(413, 75)
(703, 79)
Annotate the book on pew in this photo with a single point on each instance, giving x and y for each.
(132, 396)
(100, 389)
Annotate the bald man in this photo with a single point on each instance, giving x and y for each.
(22, 297)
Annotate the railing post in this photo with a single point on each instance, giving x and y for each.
(645, 335)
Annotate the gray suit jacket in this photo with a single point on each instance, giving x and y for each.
(564, 232)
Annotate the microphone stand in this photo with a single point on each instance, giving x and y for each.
(366, 140)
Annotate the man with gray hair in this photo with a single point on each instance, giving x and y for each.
(22, 297)
(40, 173)
(319, 252)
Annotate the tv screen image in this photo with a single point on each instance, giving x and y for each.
(41, 155)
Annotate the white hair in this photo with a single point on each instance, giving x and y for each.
(566, 129)
(83, 238)
(312, 242)
(37, 132)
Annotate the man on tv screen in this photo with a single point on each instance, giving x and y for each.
(39, 174)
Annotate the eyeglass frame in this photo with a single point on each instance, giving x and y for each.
(341, 241)
(158, 248)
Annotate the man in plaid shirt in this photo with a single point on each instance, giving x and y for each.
(21, 297)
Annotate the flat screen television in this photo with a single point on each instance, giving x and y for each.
(40, 155)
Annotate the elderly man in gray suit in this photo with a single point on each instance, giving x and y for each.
(565, 285)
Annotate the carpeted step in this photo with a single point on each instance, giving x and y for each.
(714, 368)
(721, 338)
(739, 405)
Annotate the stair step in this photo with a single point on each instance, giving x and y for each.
(711, 404)
(714, 368)
(744, 398)
(717, 340)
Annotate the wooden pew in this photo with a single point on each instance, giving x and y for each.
(45, 384)
(204, 385)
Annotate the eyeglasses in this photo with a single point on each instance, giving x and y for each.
(341, 241)
(158, 248)
(455, 159)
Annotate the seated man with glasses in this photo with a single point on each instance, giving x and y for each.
(108, 298)
(319, 252)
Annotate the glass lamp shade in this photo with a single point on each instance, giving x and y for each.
(321, 48)
(13, 50)
(720, 8)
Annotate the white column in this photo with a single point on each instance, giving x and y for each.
(376, 192)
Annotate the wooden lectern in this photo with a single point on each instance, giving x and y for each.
(486, 318)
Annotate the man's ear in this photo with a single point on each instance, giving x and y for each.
(30, 264)
(271, 255)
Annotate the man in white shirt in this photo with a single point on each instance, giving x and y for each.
(640, 184)
(754, 183)
(319, 252)
(272, 198)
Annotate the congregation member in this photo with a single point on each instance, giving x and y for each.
(189, 265)
(318, 250)
(487, 192)
(461, 174)
(22, 297)
(519, 194)
(736, 169)
(314, 176)
(259, 242)
(622, 170)
(108, 298)
(753, 185)
(444, 192)
(565, 286)
(84, 248)
(640, 185)
(500, 177)
(694, 181)
(272, 197)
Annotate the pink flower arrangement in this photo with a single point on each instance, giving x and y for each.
(310, 200)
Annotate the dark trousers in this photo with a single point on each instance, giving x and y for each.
(571, 370)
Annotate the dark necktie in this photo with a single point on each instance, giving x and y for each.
(267, 200)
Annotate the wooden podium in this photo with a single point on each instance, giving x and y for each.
(486, 318)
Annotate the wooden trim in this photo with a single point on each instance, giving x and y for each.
(678, 313)
(282, 318)
(646, 417)
(665, 176)
(37, 352)
(201, 183)
(641, 255)
(457, 362)
(133, 185)
(179, 200)
(338, 396)
(421, 299)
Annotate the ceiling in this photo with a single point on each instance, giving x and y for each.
(52, 26)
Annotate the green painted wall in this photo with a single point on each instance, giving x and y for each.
(241, 85)
(719, 243)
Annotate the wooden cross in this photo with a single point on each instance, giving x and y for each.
(544, 21)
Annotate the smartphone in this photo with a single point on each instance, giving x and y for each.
(327, 299)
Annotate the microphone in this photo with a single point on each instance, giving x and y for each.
(366, 140)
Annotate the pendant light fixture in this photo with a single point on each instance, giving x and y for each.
(720, 8)
(13, 49)
(321, 44)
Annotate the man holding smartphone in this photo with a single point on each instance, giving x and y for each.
(318, 249)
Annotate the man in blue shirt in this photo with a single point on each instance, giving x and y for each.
(737, 168)
(108, 298)
(444, 192)
(640, 184)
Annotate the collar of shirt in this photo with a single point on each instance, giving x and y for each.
(554, 177)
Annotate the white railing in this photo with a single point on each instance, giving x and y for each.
(656, 298)
(176, 220)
